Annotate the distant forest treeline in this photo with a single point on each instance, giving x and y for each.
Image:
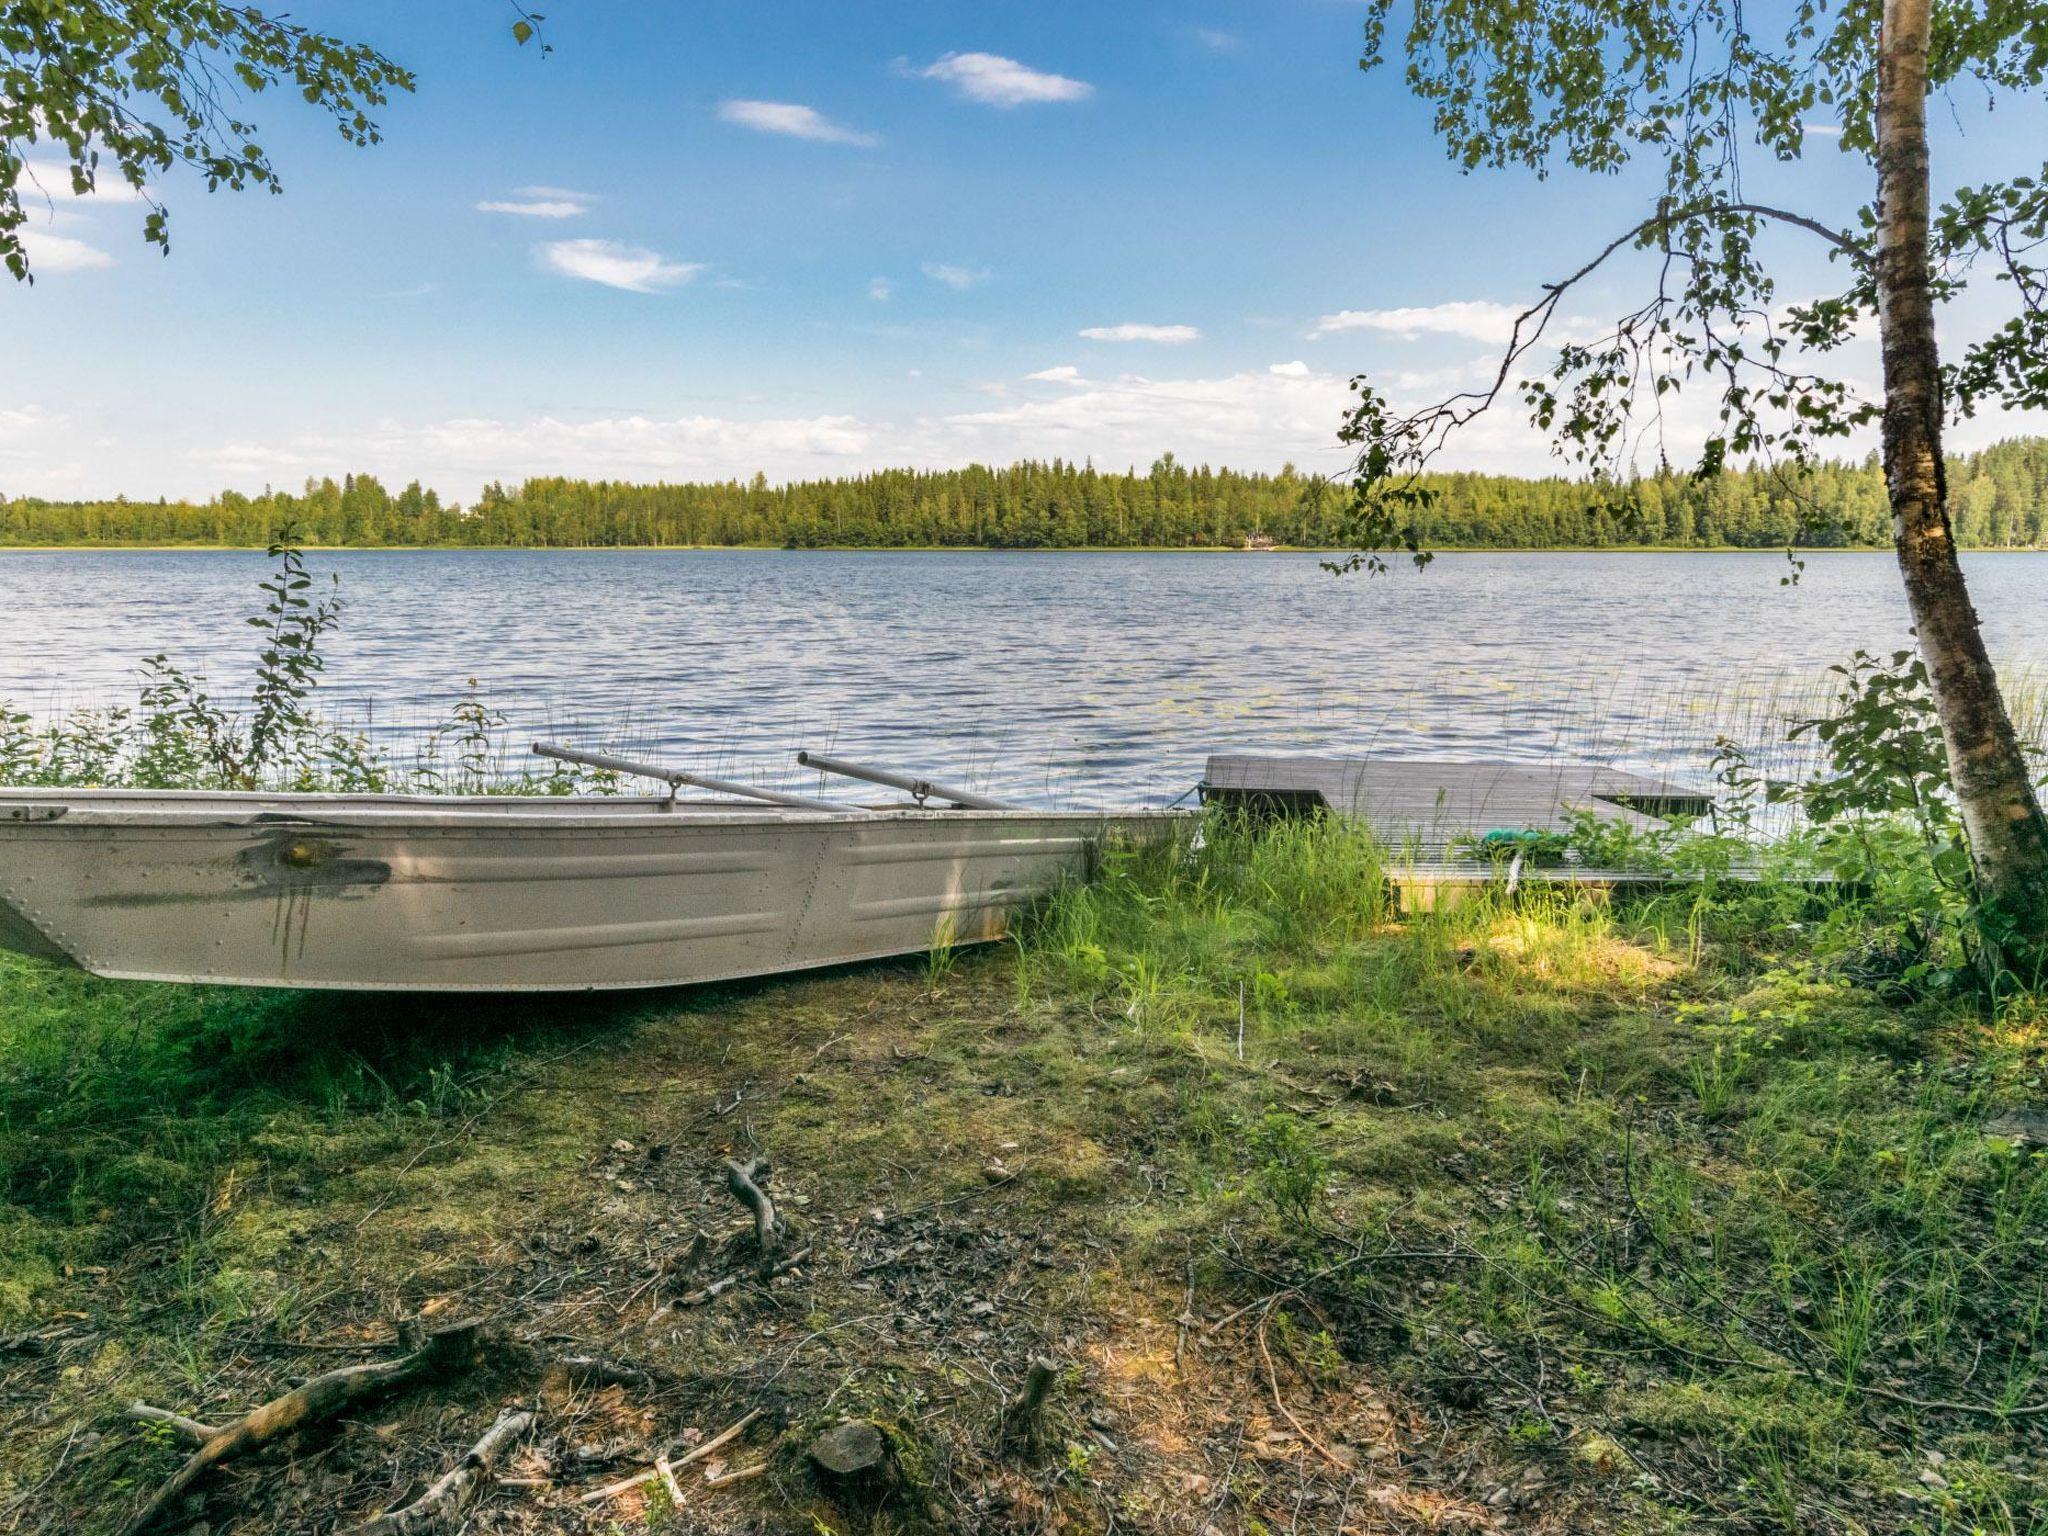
(1999, 498)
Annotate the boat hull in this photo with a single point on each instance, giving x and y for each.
(396, 893)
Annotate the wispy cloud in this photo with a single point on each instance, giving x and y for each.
(615, 264)
(536, 207)
(1066, 373)
(1822, 130)
(54, 179)
(1165, 335)
(879, 289)
(472, 449)
(1473, 319)
(61, 253)
(956, 278)
(995, 81)
(793, 120)
(1216, 40)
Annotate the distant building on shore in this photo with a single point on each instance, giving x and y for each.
(1258, 541)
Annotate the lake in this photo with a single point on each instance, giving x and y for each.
(1057, 678)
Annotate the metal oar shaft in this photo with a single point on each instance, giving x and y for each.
(923, 789)
(675, 778)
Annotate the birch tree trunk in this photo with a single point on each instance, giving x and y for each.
(2008, 838)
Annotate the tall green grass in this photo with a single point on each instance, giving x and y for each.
(1670, 1180)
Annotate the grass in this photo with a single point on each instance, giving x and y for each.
(1553, 1215)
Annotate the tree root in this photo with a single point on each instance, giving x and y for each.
(449, 1492)
(744, 1181)
(450, 1350)
(1024, 1415)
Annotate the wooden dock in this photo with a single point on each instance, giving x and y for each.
(1427, 812)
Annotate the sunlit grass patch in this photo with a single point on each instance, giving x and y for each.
(1673, 1218)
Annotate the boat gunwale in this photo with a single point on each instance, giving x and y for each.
(243, 810)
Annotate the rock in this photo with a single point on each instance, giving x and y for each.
(849, 1449)
(2020, 1127)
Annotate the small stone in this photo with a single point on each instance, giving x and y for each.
(2020, 1127)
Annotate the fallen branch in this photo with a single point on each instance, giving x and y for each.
(1024, 1414)
(453, 1488)
(667, 1474)
(698, 1453)
(743, 1181)
(320, 1399)
(1273, 1381)
(191, 1429)
(718, 1288)
(737, 1475)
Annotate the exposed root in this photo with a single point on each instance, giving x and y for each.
(1024, 1414)
(744, 1181)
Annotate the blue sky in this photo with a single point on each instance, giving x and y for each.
(708, 238)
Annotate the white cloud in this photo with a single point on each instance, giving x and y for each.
(956, 278)
(60, 253)
(1822, 130)
(458, 454)
(1066, 373)
(1252, 418)
(536, 207)
(793, 120)
(1166, 335)
(1293, 370)
(54, 179)
(615, 264)
(995, 81)
(879, 289)
(1216, 40)
(26, 424)
(1473, 319)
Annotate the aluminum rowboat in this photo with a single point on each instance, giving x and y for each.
(482, 894)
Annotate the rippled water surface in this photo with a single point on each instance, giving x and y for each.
(1055, 677)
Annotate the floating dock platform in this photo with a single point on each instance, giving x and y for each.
(1429, 813)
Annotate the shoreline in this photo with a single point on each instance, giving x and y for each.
(1775, 551)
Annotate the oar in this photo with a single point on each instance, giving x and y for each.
(920, 789)
(675, 778)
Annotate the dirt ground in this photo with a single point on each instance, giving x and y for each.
(962, 1190)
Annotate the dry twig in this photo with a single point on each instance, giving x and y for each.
(454, 1488)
